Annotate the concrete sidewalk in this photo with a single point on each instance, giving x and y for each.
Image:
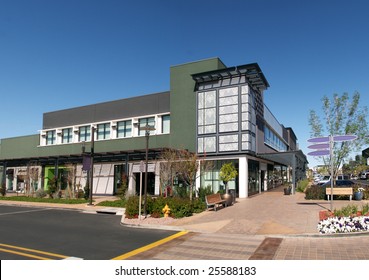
(269, 226)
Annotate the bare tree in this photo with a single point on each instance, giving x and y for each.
(71, 180)
(168, 163)
(191, 166)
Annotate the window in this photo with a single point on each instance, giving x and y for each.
(165, 124)
(103, 131)
(228, 109)
(67, 135)
(206, 112)
(50, 137)
(124, 129)
(84, 133)
(143, 123)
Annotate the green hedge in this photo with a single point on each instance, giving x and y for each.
(180, 207)
(315, 192)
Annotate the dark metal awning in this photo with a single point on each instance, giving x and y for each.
(289, 158)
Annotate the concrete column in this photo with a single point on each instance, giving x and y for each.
(242, 177)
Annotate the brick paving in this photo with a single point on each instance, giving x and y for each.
(269, 226)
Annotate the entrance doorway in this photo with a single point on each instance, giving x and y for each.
(150, 183)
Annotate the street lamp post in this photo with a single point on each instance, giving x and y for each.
(147, 130)
(92, 163)
(88, 164)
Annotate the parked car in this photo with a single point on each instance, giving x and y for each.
(324, 180)
(340, 183)
(327, 178)
(364, 175)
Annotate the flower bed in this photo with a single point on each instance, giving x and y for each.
(344, 225)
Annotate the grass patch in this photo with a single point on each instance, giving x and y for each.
(116, 203)
(43, 200)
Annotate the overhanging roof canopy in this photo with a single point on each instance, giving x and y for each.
(77, 158)
(290, 158)
(252, 71)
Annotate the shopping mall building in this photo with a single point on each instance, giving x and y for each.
(210, 109)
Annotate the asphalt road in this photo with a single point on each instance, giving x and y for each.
(44, 233)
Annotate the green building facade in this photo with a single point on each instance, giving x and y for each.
(210, 109)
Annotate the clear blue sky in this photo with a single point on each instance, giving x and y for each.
(57, 54)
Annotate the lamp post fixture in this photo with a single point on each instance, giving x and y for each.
(88, 163)
(147, 130)
(92, 163)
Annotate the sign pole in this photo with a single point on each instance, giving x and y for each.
(140, 200)
(322, 144)
(332, 168)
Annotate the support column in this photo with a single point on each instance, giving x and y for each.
(242, 177)
(293, 174)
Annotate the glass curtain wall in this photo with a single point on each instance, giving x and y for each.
(211, 178)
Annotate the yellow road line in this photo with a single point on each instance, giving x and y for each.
(32, 250)
(150, 246)
(24, 254)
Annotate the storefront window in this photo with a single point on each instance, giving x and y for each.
(211, 178)
(253, 180)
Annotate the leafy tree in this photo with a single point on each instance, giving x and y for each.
(227, 173)
(341, 116)
(355, 167)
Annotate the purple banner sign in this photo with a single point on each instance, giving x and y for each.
(319, 139)
(319, 146)
(319, 153)
(342, 138)
(86, 163)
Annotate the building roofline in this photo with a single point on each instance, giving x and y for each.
(252, 71)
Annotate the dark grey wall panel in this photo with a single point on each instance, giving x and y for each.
(120, 109)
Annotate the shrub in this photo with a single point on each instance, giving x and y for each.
(315, 192)
(40, 193)
(158, 205)
(202, 192)
(180, 207)
(365, 209)
(132, 207)
(181, 191)
(116, 203)
(3, 190)
(198, 205)
(80, 193)
(302, 185)
(52, 187)
(86, 193)
(346, 211)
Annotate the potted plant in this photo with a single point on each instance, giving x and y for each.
(227, 173)
(288, 189)
(358, 193)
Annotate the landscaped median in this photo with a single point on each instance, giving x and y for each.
(348, 219)
(42, 200)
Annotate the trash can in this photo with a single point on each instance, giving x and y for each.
(233, 193)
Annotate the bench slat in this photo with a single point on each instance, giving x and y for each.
(213, 200)
(339, 191)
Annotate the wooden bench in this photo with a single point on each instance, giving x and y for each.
(215, 200)
(339, 191)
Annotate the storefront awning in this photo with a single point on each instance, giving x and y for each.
(289, 158)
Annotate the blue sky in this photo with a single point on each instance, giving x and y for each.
(57, 54)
